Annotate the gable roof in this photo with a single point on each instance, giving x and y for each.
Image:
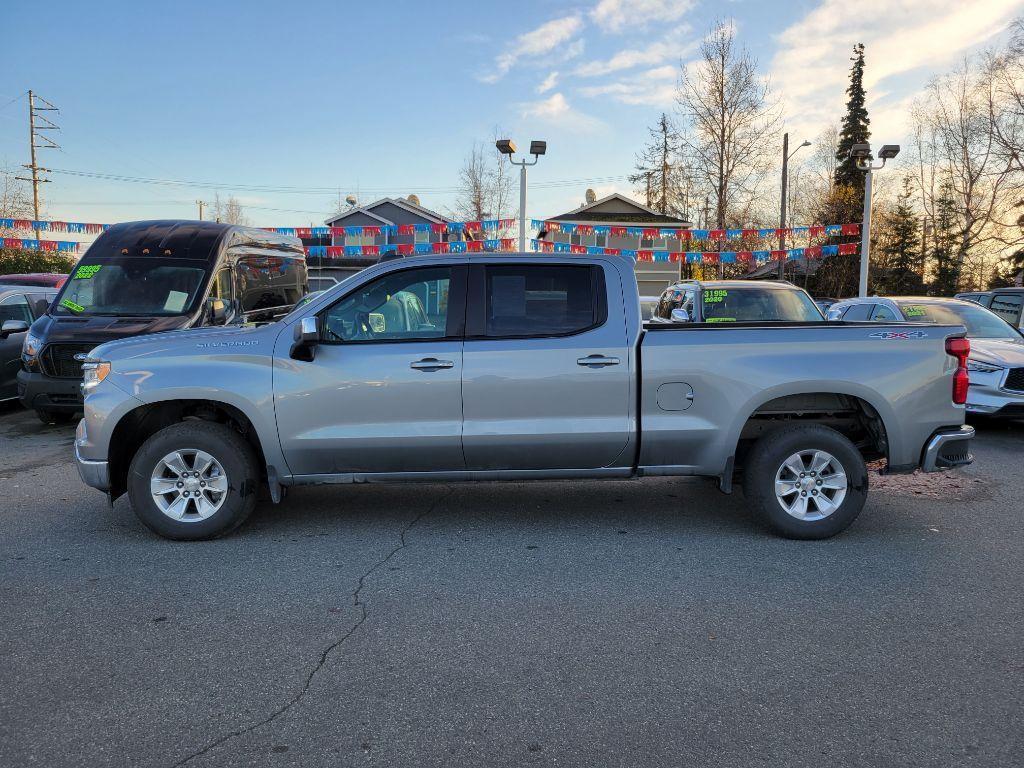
(635, 212)
(418, 210)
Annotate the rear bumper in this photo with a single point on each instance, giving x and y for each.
(37, 391)
(948, 448)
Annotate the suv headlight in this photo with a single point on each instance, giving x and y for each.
(93, 372)
(977, 366)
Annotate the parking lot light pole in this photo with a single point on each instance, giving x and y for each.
(861, 156)
(786, 154)
(537, 148)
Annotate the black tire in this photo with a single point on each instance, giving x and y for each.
(767, 457)
(54, 417)
(229, 448)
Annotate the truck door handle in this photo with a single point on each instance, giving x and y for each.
(597, 361)
(431, 364)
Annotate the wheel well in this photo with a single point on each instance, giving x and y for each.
(851, 416)
(138, 425)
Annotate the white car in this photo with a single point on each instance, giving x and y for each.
(996, 364)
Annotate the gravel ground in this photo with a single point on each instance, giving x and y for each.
(579, 623)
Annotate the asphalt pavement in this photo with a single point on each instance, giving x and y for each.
(606, 623)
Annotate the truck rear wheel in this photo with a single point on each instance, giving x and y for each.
(806, 481)
(193, 480)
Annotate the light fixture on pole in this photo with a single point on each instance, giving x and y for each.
(862, 158)
(537, 148)
(786, 154)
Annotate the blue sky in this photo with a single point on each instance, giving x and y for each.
(386, 98)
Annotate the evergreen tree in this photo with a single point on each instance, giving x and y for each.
(902, 247)
(854, 128)
(944, 262)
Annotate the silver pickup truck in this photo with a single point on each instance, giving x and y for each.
(515, 367)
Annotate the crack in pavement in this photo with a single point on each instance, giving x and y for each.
(326, 653)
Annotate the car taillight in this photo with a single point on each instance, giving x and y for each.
(960, 349)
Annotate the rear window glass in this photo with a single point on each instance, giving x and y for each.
(737, 305)
(538, 300)
(979, 322)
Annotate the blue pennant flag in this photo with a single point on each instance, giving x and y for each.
(353, 250)
(629, 253)
(388, 248)
(536, 224)
(489, 224)
(766, 233)
(800, 230)
(694, 257)
(699, 234)
(732, 234)
(457, 246)
(7, 223)
(595, 250)
(661, 255)
(354, 231)
(320, 231)
(634, 231)
(492, 243)
(762, 255)
(568, 228)
(421, 227)
(830, 250)
(456, 226)
(795, 253)
(834, 229)
(601, 229)
(562, 248)
(422, 248)
(727, 256)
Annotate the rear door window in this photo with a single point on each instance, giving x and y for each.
(858, 312)
(882, 314)
(1007, 306)
(542, 300)
(15, 307)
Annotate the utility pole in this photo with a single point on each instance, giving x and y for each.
(786, 155)
(200, 203)
(36, 123)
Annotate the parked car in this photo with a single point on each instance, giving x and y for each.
(307, 298)
(733, 301)
(37, 279)
(1007, 303)
(148, 276)
(978, 297)
(515, 367)
(824, 302)
(996, 363)
(20, 306)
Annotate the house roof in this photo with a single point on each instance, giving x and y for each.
(619, 209)
(419, 210)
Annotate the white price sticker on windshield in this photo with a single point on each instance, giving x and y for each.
(175, 301)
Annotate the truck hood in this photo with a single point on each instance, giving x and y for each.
(1008, 354)
(197, 340)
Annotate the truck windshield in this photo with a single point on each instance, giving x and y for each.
(744, 305)
(979, 322)
(132, 287)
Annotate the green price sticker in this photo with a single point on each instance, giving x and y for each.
(721, 320)
(715, 296)
(87, 272)
(914, 311)
(69, 304)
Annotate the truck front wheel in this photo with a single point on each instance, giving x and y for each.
(806, 481)
(193, 480)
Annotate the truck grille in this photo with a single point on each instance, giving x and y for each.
(58, 360)
(1015, 380)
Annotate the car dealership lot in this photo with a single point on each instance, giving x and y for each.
(577, 623)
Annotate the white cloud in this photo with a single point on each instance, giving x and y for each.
(541, 41)
(556, 110)
(918, 37)
(549, 82)
(617, 15)
(655, 87)
(673, 46)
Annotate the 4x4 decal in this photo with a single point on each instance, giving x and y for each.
(898, 335)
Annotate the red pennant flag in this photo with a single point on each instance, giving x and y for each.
(585, 229)
(335, 250)
(474, 246)
(618, 231)
(577, 249)
(710, 257)
(745, 255)
(782, 232)
(749, 233)
(778, 255)
(473, 226)
(816, 231)
(303, 232)
(552, 226)
(650, 232)
(439, 247)
(305, 249)
(717, 234)
(371, 231)
(813, 252)
(677, 256)
(851, 229)
(613, 251)
(405, 248)
(848, 249)
(508, 243)
(406, 229)
(645, 255)
(371, 250)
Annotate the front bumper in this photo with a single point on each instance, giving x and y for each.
(37, 391)
(95, 474)
(986, 395)
(948, 448)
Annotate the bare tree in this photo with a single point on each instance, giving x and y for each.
(485, 181)
(15, 202)
(228, 211)
(729, 124)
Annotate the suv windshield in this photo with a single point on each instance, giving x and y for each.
(132, 287)
(739, 305)
(979, 322)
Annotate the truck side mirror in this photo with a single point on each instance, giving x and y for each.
(218, 311)
(12, 326)
(680, 316)
(307, 336)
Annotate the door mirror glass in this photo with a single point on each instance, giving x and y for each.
(218, 311)
(680, 316)
(13, 326)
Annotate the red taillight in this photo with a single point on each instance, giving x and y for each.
(960, 349)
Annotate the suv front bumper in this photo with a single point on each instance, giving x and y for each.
(95, 474)
(948, 448)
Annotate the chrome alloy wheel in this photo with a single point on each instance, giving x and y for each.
(811, 485)
(188, 485)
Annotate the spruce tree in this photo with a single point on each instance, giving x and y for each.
(903, 247)
(944, 243)
(854, 128)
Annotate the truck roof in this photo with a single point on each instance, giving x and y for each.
(711, 284)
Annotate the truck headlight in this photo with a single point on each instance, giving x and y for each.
(976, 366)
(93, 372)
(30, 349)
